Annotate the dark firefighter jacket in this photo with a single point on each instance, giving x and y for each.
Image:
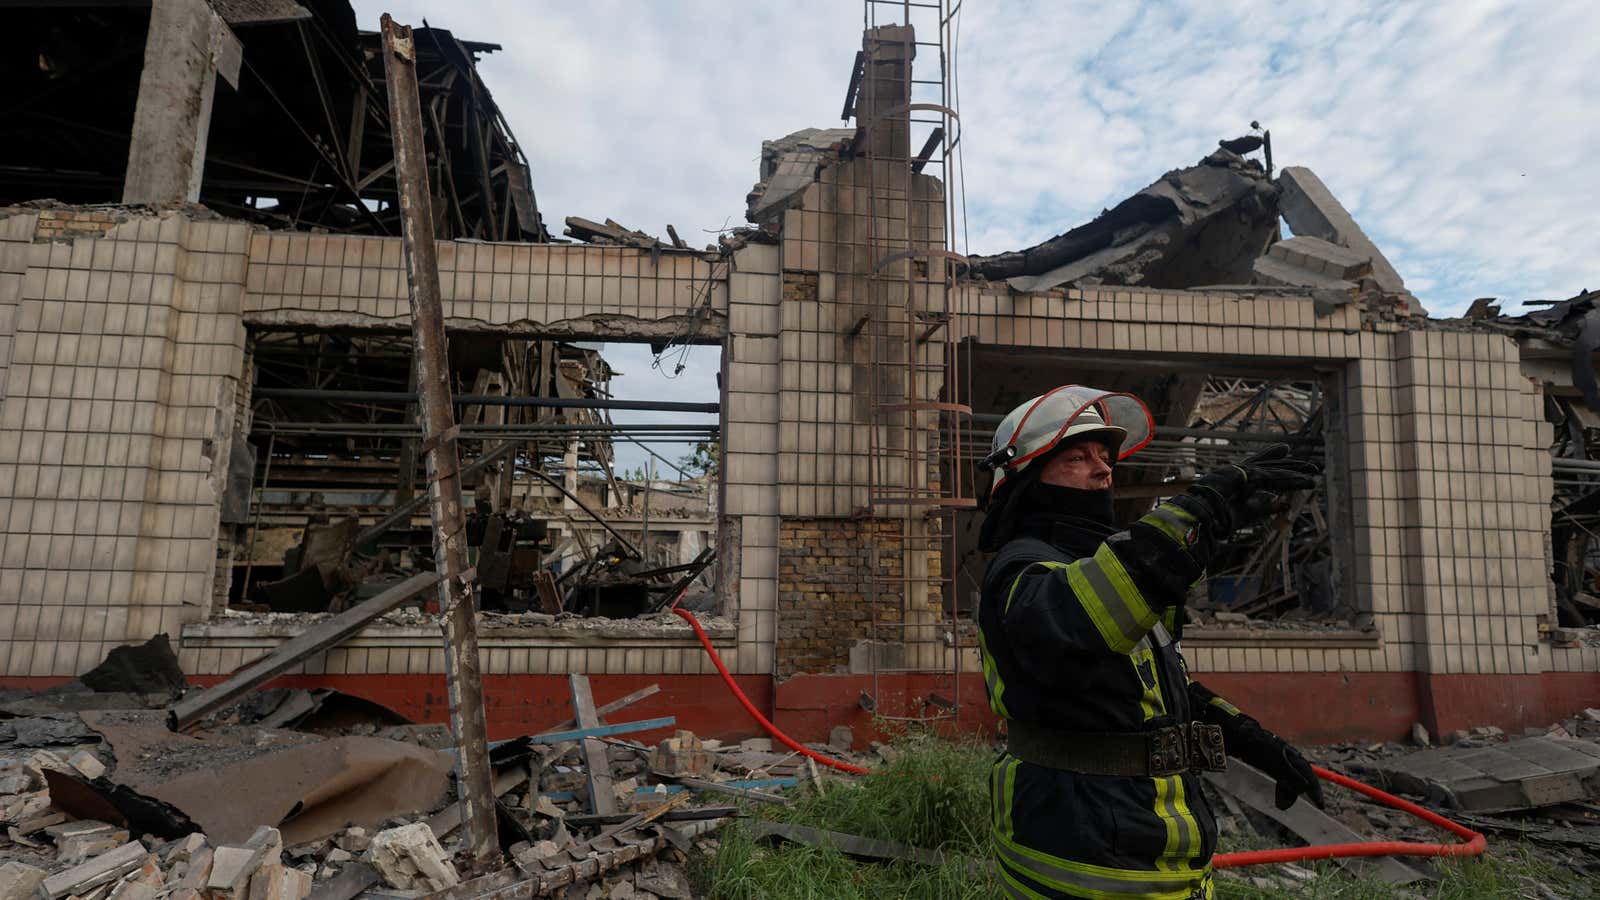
(1079, 626)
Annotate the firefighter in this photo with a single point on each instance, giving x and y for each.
(1098, 793)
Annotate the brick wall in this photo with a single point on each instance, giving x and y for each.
(824, 589)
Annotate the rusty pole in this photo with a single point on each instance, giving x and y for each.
(443, 461)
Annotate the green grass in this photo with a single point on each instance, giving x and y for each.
(1509, 869)
(936, 795)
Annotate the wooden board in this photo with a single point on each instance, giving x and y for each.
(602, 799)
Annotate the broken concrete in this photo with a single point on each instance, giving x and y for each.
(1202, 225)
(409, 857)
(1311, 210)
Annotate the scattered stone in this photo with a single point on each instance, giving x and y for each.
(841, 738)
(1456, 737)
(20, 783)
(1419, 735)
(199, 872)
(18, 881)
(681, 754)
(548, 807)
(410, 857)
(275, 881)
(759, 745)
(186, 847)
(102, 870)
(663, 880)
(338, 855)
(88, 764)
(231, 868)
(885, 752)
(354, 839)
(1232, 618)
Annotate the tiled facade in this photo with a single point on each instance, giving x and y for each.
(122, 372)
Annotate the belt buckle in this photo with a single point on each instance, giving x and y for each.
(1167, 754)
(1206, 749)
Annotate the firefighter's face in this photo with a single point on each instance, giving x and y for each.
(1085, 465)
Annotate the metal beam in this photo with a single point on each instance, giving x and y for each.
(339, 396)
(319, 637)
(464, 684)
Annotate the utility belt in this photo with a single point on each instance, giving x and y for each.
(1190, 747)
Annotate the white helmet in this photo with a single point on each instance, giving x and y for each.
(1040, 425)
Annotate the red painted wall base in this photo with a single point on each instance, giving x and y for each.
(1312, 707)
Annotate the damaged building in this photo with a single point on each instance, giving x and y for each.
(208, 423)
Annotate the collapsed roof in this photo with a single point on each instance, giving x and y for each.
(302, 141)
(1216, 223)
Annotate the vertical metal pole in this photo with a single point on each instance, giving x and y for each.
(443, 462)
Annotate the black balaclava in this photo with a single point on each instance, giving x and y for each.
(1028, 498)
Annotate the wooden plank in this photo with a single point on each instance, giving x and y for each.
(616, 705)
(717, 787)
(677, 815)
(1256, 790)
(869, 849)
(599, 731)
(321, 636)
(602, 799)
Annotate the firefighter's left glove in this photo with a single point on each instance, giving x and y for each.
(1238, 494)
(1275, 756)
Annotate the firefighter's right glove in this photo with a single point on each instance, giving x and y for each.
(1238, 494)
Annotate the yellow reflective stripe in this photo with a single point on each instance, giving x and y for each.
(1108, 595)
(1172, 521)
(1017, 582)
(1190, 844)
(1017, 889)
(1151, 703)
(992, 680)
(1085, 880)
(1002, 789)
(1225, 706)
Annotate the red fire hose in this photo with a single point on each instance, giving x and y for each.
(1473, 846)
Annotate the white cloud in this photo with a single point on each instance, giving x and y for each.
(1461, 135)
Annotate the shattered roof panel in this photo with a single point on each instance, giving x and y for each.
(259, 12)
(1147, 238)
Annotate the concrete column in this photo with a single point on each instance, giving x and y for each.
(187, 46)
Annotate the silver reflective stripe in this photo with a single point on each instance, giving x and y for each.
(1169, 522)
(1047, 873)
(1110, 599)
(1170, 808)
(1159, 632)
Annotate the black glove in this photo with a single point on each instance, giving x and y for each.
(1236, 495)
(1274, 756)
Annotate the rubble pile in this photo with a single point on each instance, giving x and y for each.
(1541, 788)
(101, 800)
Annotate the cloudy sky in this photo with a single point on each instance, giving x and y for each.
(1462, 135)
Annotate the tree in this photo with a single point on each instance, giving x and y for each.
(703, 460)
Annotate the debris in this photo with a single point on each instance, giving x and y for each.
(841, 738)
(1419, 735)
(1256, 790)
(1150, 239)
(1525, 773)
(410, 857)
(616, 705)
(103, 869)
(850, 845)
(18, 880)
(148, 668)
(327, 784)
(715, 787)
(319, 637)
(681, 754)
(87, 763)
(596, 766)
